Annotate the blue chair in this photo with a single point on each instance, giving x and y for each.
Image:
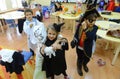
(10, 22)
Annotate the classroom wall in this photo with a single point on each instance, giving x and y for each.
(42, 2)
(9, 6)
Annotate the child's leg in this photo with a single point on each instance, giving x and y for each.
(65, 74)
(19, 76)
(52, 77)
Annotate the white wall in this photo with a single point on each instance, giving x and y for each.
(43, 2)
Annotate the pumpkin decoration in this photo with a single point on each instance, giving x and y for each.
(65, 9)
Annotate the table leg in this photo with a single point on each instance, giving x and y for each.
(116, 54)
(2, 27)
(106, 47)
(74, 26)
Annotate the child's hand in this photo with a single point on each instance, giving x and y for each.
(42, 49)
(56, 46)
(31, 25)
(84, 25)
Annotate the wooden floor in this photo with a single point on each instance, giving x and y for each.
(95, 71)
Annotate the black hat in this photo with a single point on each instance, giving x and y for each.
(91, 9)
(58, 26)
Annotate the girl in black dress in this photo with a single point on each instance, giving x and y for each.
(54, 62)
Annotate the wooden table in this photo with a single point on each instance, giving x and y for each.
(70, 16)
(103, 24)
(13, 15)
(102, 33)
(114, 15)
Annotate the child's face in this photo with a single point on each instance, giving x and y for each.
(28, 16)
(90, 22)
(51, 34)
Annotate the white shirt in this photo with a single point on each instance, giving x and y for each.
(6, 55)
(30, 31)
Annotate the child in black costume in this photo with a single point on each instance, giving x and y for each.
(54, 62)
(85, 37)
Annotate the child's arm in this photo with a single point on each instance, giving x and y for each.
(25, 28)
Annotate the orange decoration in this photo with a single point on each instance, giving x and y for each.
(65, 9)
(79, 11)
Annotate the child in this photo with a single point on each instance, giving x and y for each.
(84, 39)
(29, 25)
(111, 5)
(54, 63)
(13, 60)
(101, 5)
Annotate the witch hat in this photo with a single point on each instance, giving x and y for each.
(58, 26)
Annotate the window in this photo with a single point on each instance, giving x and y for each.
(3, 5)
(16, 3)
(19, 3)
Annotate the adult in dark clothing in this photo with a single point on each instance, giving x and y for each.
(38, 13)
(88, 1)
(91, 2)
(24, 4)
(58, 7)
(84, 38)
(20, 24)
(55, 64)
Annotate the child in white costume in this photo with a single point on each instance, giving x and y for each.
(28, 27)
(36, 34)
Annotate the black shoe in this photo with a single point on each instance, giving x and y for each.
(85, 68)
(80, 71)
